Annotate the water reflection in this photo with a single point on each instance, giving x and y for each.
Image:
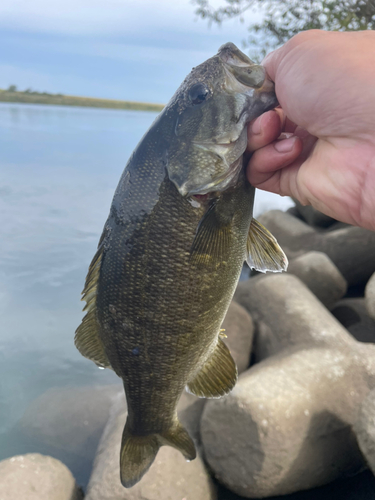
(58, 170)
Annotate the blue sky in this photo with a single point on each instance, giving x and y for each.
(124, 49)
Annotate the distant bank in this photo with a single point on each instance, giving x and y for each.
(70, 100)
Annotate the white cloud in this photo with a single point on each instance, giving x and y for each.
(105, 17)
(136, 50)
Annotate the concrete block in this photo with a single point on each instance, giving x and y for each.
(288, 423)
(36, 477)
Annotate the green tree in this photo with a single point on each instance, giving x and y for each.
(281, 20)
(12, 88)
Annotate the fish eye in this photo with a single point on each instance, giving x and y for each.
(198, 93)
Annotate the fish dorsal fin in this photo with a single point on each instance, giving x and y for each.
(87, 339)
(263, 252)
(212, 239)
(217, 377)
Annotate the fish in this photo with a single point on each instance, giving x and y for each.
(180, 228)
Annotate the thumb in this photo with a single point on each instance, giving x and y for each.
(272, 60)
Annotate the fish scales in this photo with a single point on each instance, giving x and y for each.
(148, 308)
(171, 252)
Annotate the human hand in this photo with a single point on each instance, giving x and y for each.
(325, 86)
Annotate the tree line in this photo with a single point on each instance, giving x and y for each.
(281, 20)
(13, 88)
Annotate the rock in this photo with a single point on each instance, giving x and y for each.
(169, 478)
(287, 425)
(67, 423)
(351, 249)
(315, 270)
(36, 477)
(313, 216)
(353, 315)
(370, 296)
(239, 330)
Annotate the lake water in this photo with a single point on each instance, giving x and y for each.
(59, 167)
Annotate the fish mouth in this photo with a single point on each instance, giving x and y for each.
(246, 77)
(242, 73)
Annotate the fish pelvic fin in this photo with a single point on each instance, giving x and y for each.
(138, 452)
(87, 339)
(263, 252)
(218, 375)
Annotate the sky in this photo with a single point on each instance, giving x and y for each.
(138, 50)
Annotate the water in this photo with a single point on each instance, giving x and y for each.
(59, 167)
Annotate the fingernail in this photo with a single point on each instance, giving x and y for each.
(256, 128)
(285, 145)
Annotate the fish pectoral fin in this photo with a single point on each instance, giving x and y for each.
(263, 252)
(217, 377)
(212, 239)
(87, 339)
(138, 452)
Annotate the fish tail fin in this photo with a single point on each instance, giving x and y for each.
(136, 456)
(178, 437)
(139, 452)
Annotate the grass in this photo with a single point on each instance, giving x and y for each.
(70, 100)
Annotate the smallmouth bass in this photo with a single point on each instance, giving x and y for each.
(179, 230)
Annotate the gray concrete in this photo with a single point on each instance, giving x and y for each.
(352, 314)
(36, 477)
(315, 270)
(67, 423)
(71, 418)
(351, 249)
(287, 425)
(170, 477)
(313, 216)
(364, 428)
(239, 330)
(370, 296)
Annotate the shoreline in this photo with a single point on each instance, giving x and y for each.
(68, 100)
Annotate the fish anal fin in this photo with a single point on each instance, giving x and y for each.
(139, 452)
(87, 338)
(212, 239)
(263, 252)
(217, 377)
